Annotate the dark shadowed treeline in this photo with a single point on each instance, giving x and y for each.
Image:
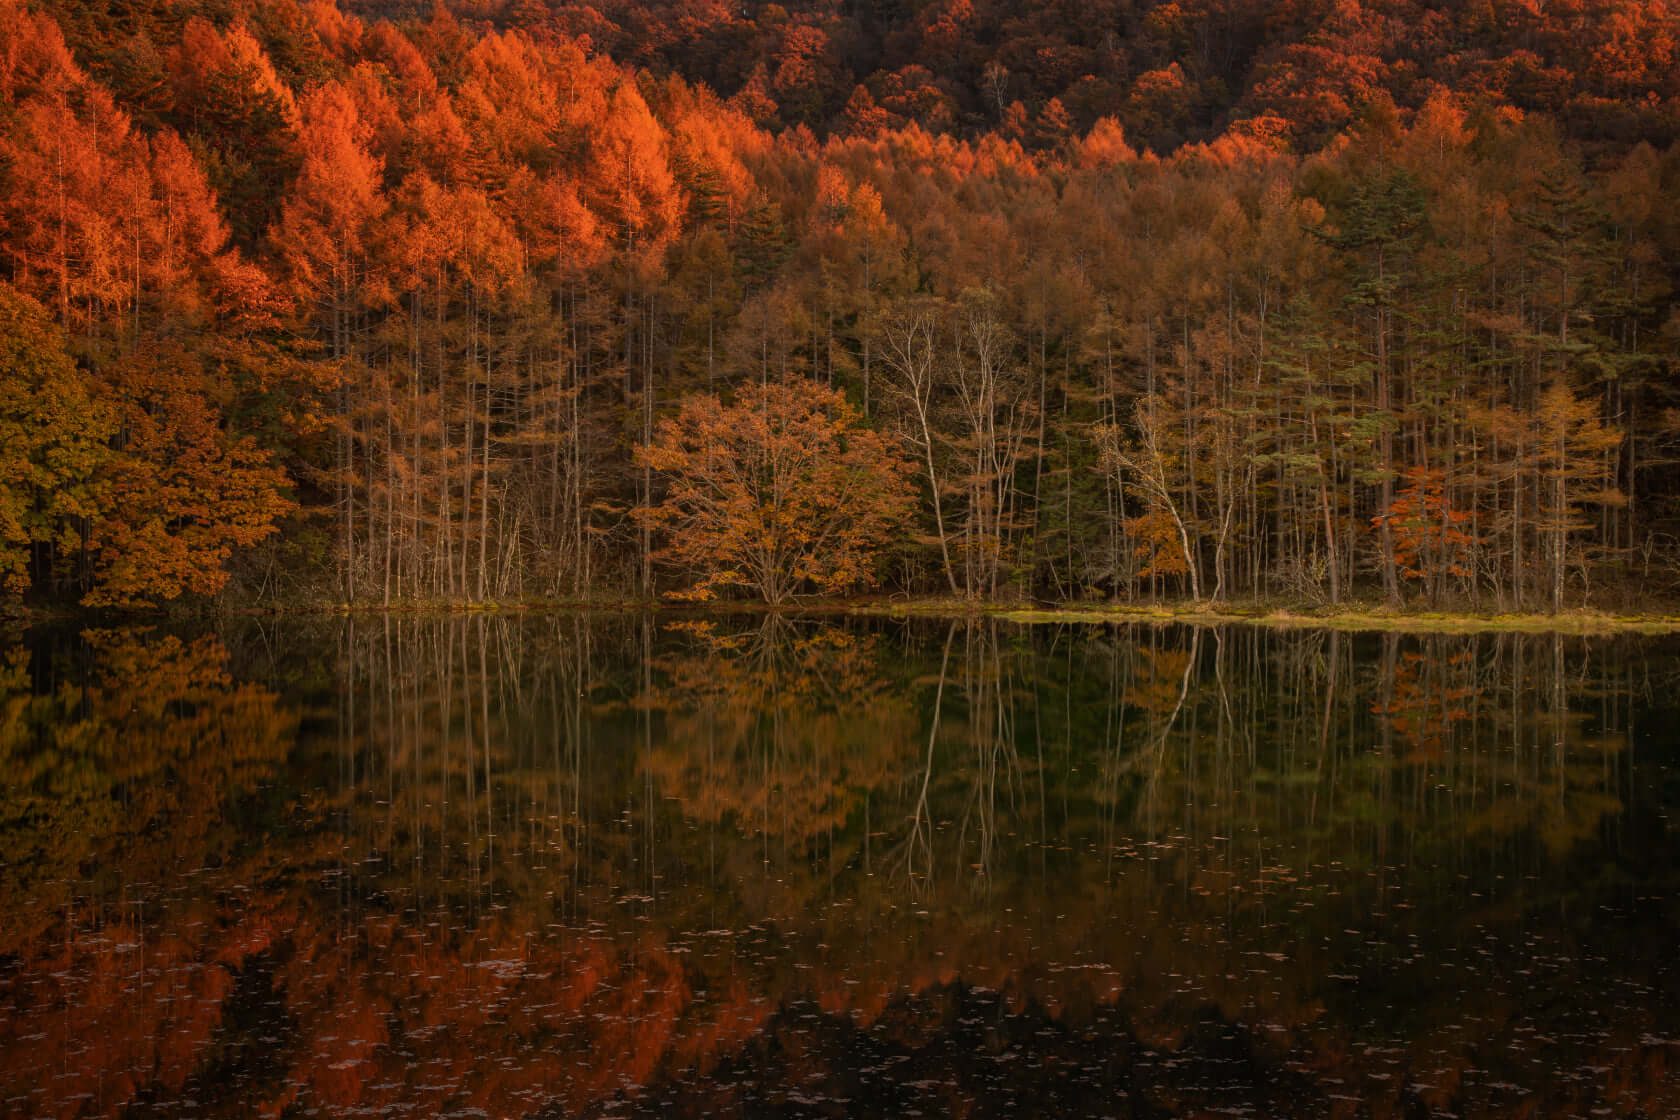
(1170, 72)
(419, 311)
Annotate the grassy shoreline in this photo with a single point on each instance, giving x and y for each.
(1355, 617)
(1351, 617)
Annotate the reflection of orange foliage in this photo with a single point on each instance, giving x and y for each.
(495, 1017)
(148, 750)
(782, 731)
(151, 746)
(409, 991)
(1158, 679)
(121, 1005)
(394, 1016)
(1430, 693)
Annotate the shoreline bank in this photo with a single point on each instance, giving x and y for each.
(1351, 617)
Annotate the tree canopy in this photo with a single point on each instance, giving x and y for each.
(779, 491)
(342, 303)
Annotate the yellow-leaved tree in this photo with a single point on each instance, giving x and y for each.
(1572, 455)
(53, 444)
(183, 490)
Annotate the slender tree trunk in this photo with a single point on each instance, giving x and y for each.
(1391, 583)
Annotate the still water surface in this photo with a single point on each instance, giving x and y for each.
(624, 865)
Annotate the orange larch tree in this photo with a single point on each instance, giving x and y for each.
(1431, 541)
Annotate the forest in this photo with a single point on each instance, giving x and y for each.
(377, 305)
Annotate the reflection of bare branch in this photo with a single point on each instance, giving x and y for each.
(993, 737)
(919, 842)
(1334, 658)
(1152, 757)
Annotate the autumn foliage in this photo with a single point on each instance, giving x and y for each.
(1430, 537)
(183, 493)
(53, 442)
(380, 310)
(782, 490)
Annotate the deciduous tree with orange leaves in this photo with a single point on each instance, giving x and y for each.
(182, 491)
(1430, 537)
(782, 491)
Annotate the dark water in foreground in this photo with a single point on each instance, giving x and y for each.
(616, 866)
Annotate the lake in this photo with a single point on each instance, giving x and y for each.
(676, 865)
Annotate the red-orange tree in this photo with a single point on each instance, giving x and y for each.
(1430, 538)
(780, 491)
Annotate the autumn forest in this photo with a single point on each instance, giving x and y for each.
(384, 304)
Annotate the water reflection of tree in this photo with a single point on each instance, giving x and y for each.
(128, 734)
(126, 760)
(781, 729)
(975, 707)
(1404, 738)
(607, 854)
(471, 754)
(793, 733)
